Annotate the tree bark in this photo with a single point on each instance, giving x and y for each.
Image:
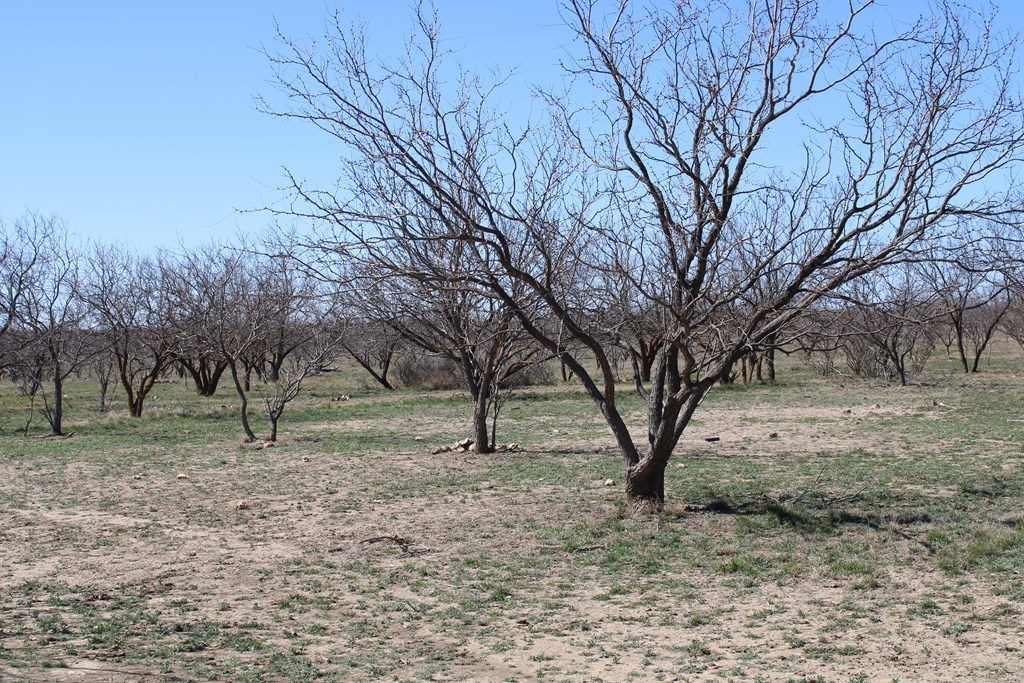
(205, 380)
(645, 485)
(57, 415)
(244, 409)
(481, 433)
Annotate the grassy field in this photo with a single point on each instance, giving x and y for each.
(839, 530)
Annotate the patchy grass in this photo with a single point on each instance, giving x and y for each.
(836, 531)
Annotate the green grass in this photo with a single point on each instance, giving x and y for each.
(362, 557)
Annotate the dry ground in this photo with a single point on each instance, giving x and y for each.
(834, 533)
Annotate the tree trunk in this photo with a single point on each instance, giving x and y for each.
(962, 352)
(645, 485)
(57, 416)
(275, 367)
(206, 381)
(481, 405)
(980, 349)
(956, 319)
(901, 372)
(210, 384)
(244, 410)
(148, 382)
(275, 417)
(104, 387)
(645, 357)
(768, 357)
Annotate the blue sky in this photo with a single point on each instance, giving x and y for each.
(135, 121)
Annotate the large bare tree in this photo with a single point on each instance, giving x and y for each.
(670, 170)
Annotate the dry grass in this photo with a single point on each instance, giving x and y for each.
(877, 536)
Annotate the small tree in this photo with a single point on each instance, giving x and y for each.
(317, 348)
(52, 316)
(975, 299)
(131, 299)
(889, 325)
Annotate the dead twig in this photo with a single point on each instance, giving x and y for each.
(402, 543)
(588, 548)
(145, 675)
(842, 499)
(813, 488)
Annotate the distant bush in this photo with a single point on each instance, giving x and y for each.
(423, 371)
(530, 376)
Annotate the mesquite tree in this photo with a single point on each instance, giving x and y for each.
(52, 319)
(193, 314)
(421, 290)
(667, 166)
(131, 298)
(889, 324)
(21, 242)
(975, 299)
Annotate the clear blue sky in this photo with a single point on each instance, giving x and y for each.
(135, 121)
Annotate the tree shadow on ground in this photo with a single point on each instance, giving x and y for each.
(819, 517)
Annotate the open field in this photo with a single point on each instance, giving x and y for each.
(838, 531)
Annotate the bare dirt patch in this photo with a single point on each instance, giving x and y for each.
(398, 564)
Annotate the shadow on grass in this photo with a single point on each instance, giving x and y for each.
(816, 517)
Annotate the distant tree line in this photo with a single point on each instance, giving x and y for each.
(262, 321)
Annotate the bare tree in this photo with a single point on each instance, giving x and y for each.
(20, 244)
(289, 298)
(372, 344)
(889, 325)
(422, 291)
(975, 299)
(192, 314)
(104, 367)
(131, 297)
(235, 312)
(659, 178)
(52, 317)
(296, 331)
(318, 346)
